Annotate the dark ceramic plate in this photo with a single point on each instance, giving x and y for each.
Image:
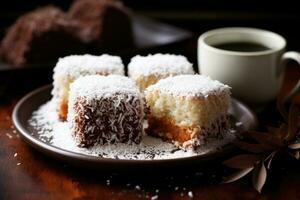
(23, 111)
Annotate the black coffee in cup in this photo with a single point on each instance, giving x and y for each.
(242, 46)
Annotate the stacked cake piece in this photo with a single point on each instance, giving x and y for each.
(70, 68)
(105, 109)
(147, 70)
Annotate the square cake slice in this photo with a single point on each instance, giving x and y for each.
(105, 109)
(72, 67)
(147, 70)
(186, 109)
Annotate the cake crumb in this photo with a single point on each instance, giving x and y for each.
(232, 131)
(190, 194)
(155, 197)
(137, 187)
(238, 124)
(9, 135)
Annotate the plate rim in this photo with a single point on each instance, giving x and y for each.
(74, 156)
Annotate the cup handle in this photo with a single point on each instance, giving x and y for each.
(291, 55)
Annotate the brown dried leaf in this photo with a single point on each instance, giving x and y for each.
(242, 161)
(259, 177)
(264, 138)
(272, 129)
(292, 121)
(294, 146)
(237, 175)
(253, 148)
(269, 159)
(282, 132)
(282, 110)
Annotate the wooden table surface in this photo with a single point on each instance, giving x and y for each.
(28, 174)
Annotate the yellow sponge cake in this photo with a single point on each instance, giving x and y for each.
(186, 109)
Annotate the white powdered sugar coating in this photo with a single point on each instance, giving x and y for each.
(189, 86)
(78, 65)
(95, 86)
(161, 64)
(51, 130)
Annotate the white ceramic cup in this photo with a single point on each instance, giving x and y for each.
(255, 77)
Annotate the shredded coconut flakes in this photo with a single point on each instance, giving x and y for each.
(159, 64)
(50, 130)
(95, 86)
(76, 65)
(189, 86)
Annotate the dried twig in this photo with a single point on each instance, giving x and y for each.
(267, 145)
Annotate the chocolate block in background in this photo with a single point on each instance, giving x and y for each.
(104, 24)
(41, 36)
(47, 33)
(149, 36)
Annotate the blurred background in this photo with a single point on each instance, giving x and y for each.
(195, 16)
(198, 16)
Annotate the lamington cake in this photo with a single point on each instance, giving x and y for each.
(72, 67)
(40, 36)
(105, 109)
(187, 109)
(147, 70)
(105, 24)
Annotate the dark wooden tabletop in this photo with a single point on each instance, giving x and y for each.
(28, 174)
